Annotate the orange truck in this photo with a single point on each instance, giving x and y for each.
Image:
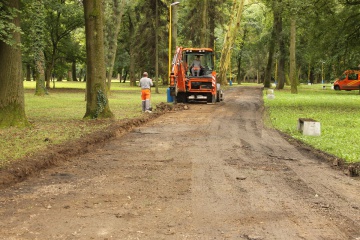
(192, 76)
(349, 80)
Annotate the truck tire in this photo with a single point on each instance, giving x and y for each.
(211, 98)
(181, 98)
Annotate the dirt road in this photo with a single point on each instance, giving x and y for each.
(210, 172)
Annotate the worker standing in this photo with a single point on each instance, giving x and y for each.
(145, 84)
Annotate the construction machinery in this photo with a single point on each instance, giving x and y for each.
(188, 85)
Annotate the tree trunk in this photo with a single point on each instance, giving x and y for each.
(37, 32)
(204, 25)
(131, 52)
(28, 72)
(125, 76)
(282, 53)
(269, 66)
(113, 32)
(174, 27)
(12, 107)
(239, 58)
(73, 70)
(292, 74)
(97, 104)
(212, 25)
(274, 35)
(132, 67)
(156, 47)
(229, 41)
(47, 76)
(281, 67)
(40, 89)
(277, 7)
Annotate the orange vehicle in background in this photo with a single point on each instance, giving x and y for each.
(349, 80)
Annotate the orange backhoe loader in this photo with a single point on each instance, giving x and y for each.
(192, 76)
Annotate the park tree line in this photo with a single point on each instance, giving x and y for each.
(282, 41)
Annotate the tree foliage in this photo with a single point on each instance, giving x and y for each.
(7, 25)
(254, 47)
(326, 34)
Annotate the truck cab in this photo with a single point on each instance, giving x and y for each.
(205, 58)
(349, 80)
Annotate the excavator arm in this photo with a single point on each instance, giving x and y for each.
(177, 75)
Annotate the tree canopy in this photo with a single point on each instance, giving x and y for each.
(326, 36)
(281, 41)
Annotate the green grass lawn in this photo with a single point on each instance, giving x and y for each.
(58, 116)
(337, 111)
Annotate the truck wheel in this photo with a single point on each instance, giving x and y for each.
(211, 98)
(181, 98)
(185, 100)
(337, 88)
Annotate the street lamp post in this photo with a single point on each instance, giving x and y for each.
(170, 40)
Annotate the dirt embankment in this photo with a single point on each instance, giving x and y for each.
(55, 154)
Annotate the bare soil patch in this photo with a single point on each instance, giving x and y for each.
(208, 172)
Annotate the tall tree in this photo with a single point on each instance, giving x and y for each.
(191, 21)
(239, 56)
(292, 73)
(233, 26)
(141, 22)
(271, 47)
(37, 35)
(204, 41)
(131, 49)
(198, 21)
(174, 28)
(63, 17)
(97, 104)
(157, 46)
(281, 43)
(12, 107)
(115, 10)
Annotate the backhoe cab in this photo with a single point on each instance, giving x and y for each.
(193, 77)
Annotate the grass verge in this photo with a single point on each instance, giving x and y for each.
(57, 117)
(337, 112)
